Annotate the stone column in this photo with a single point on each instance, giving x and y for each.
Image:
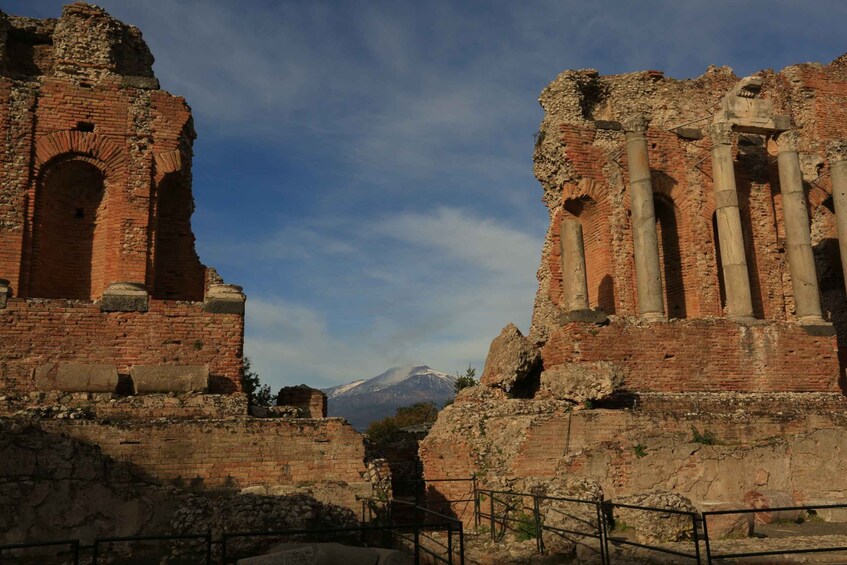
(837, 155)
(574, 283)
(648, 271)
(798, 240)
(739, 301)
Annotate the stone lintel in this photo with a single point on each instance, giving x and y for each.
(692, 134)
(76, 377)
(124, 297)
(169, 378)
(224, 299)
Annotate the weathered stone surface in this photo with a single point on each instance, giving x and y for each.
(124, 297)
(512, 358)
(728, 526)
(311, 402)
(169, 378)
(5, 292)
(76, 377)
(292, 556)
(224, 299)
(581, 381)
(767, 498)
(329, 554)
(652, 526)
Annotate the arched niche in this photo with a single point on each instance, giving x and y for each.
(598, 252)
(69, 235)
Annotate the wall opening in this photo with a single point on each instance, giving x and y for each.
(68, 257)
(670, 257)
(718, 262)
(178, 274)
(598, 254)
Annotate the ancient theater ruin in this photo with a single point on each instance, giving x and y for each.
(118, 344)
(691, 286)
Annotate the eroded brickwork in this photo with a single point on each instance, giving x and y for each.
(96, 190)
(581, 161)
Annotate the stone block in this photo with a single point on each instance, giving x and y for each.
(727, 526)
(224, 299)
(581, 381)
(512, 358)
(5, 292)
(311, 402)
(76, 377)
(589, 316)
(767, 499)
(169, 378)
(124, 297)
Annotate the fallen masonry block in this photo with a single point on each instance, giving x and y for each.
(169, 378)
(76, 377)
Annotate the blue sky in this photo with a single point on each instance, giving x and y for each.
(364, 169)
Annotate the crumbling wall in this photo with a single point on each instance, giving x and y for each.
(96, 192)
(708, 447)
(53, 486)
(580, 158)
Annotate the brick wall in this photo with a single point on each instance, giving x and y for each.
(237, 452)
(170, 333)
(703, 355)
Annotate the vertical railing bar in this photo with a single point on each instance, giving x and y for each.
(209, 546)
(75, 547)
(539, 540)
(706, 537)
(417, 546)
(491, 513)
(695, 537)
(94, 553)
(450, 543)
(461, 544)
(223, 549)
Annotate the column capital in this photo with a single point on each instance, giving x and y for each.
(836, 151)
(635, 123)
(788, 140)
(720, 133)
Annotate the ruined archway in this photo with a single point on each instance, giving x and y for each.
(69, 246)
(597, 243)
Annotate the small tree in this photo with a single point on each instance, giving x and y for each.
(259, 394)
(467, 380)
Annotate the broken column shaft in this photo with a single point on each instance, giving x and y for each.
(739, 302)
(837, 154)
(574, 283)
(798, 242)
(645, 237)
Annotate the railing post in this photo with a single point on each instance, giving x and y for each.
(450, 543)
(417, 546)
(604, 534)
(461, 543)
(223, 549)
(209, 546)
(539, 540)
(75, 548)
(475, 502)
(706, 538)
(694, 536)
(491, 513)
(94, 553)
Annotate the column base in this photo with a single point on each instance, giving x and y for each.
(812, 321)
(653, 317)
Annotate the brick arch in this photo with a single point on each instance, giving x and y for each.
(86, 145)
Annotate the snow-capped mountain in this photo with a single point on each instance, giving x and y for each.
(365, 401)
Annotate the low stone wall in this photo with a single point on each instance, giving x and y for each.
(234, 452)
(705, 355)
(709, 448)
(55, 487)
(108, 406)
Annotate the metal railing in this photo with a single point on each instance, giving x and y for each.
(530, 522)
(434, 534)
(607, 513)
(738, 555)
